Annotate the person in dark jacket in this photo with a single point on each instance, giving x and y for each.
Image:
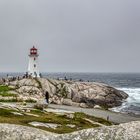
(47, 96)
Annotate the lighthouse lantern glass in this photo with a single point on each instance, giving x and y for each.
(33, 51)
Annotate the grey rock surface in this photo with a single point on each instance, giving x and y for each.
(128, 131)
(17, 132)
(48, 125)
(70, 92)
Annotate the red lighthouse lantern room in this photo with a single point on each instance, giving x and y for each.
(33, 51)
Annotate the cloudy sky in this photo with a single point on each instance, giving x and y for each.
(71, 35)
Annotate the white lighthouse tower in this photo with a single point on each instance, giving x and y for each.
(33, 63)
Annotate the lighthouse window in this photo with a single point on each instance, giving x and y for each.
(34, 59)
(34, 65)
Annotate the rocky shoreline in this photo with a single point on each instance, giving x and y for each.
(84, 116)
(80, 94)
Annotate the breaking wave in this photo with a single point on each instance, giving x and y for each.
(132, 103)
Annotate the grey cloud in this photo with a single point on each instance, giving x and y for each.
(71, 35)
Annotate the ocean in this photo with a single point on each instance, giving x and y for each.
(128, 82)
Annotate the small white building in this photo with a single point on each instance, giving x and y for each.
(33, 69)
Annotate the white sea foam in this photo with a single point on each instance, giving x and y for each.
(134, 94)
(132, 103)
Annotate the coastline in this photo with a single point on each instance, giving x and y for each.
(128, 82)
(67, 115)
(39, 85)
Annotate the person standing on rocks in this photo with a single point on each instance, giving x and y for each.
(47, 97)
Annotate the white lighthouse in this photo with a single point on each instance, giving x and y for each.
(33, 69)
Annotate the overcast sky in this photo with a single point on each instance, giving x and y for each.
(71, 35)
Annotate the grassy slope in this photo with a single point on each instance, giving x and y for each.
(6, 116)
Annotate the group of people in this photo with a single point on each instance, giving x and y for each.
(14, 78)
(70, 79)
(10, 79)
(26, 75)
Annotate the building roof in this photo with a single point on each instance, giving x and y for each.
(33, 48)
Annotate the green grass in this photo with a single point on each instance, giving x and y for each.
(5, 88)
(95, 119)
(37, 112)
(6, 116)
(18, 100)
(30, 101)
(7, 94)
(5, 112)
(5, 91)
(10, 100)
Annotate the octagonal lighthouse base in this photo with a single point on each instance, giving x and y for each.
(33, 69)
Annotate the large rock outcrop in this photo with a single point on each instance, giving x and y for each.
(128, 131)
(84, 94)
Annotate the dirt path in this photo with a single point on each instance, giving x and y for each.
(113, 117)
